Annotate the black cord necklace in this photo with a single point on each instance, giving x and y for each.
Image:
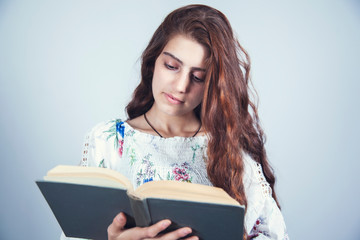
(159, 133)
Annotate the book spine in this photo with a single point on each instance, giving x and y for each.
(140, 210)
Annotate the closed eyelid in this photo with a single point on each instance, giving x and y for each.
(170, 66)
(201, 78)
(172, 63)
(198, 73)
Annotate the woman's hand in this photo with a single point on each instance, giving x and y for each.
(116, 231)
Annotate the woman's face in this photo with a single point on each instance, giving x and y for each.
(178, 80)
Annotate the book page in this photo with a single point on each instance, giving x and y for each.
(89, 176)
(184, 191)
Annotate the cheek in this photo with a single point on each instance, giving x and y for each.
(156, 81)
(198, 94)
(159, 79)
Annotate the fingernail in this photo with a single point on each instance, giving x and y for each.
(166, 223)
(119, 218)
(186, 231)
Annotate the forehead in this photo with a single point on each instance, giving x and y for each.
(189, 51)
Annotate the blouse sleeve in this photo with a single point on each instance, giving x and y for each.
(263, 217)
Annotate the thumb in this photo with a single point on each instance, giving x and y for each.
(117, 225)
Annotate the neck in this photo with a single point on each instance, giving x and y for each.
(170, 126)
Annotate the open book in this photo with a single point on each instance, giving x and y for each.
(85, 200)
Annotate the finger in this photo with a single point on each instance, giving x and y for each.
(179, 233)
(144, 233)
(153, 230)
(117, 225)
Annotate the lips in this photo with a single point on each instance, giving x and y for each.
(173, 99)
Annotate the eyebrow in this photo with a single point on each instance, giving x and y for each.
(181, 62)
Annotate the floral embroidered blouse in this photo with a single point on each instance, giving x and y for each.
(144, 157)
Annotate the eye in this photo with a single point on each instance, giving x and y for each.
(170, 67)
(197, 79)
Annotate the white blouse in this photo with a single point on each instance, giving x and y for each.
(144, 157)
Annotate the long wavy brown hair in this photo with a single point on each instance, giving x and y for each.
(228, 115)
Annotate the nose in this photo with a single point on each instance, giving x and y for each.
(183, 82)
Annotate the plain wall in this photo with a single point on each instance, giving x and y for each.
(67, 65)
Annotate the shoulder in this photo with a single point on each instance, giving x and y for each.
(102, 143)
(106, 129)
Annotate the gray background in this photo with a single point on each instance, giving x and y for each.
(67, 65)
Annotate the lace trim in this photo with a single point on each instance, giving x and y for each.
(85, 153)
(267, 191)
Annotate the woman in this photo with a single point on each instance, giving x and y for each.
(191, 119)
